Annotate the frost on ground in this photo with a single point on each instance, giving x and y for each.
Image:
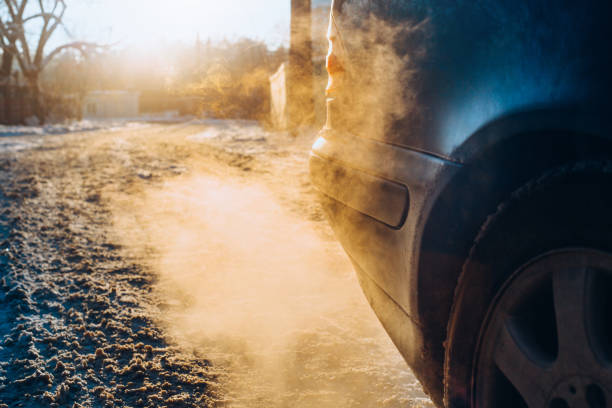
(63, 128)
(181, 265)
(77, 319)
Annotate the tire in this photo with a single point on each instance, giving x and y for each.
(508, 291)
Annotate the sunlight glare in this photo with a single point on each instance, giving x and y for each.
(147, 22)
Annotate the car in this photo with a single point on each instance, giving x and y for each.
(466, 168)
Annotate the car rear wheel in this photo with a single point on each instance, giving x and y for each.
(531, 322)
(547, 342)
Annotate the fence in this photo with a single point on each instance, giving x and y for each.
(16, 104)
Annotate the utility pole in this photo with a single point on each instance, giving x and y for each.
(300, 93)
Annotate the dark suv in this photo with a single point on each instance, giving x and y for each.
(466, 167)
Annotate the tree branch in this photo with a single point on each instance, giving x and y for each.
(13, 36)
(47, 31)
(9, 5)
(17, 33)
(81, 46)
(47, 15)
(22, 6)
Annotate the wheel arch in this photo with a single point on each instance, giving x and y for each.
(497, 160)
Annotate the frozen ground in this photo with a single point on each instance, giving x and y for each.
(179, 265)
(63, 128)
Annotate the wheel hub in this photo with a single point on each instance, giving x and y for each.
(578, 391)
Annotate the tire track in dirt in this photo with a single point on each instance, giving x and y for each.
(89, 314)
(77, 326)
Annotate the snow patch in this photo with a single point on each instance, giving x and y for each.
(72, 127)
(230, 131)
(15, 145)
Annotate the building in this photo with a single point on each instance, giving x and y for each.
(111, 104)
(278, 98)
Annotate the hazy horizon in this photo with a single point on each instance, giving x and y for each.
(150, 23)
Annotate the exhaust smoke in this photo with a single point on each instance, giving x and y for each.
(262, 294)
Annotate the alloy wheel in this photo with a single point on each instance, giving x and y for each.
(548, 338)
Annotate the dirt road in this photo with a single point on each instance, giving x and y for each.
(180, 265)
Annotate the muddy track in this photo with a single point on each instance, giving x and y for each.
(76, 318)
(180, 266)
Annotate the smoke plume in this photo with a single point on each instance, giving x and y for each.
(264, 296)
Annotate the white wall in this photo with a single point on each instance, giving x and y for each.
(111, 104)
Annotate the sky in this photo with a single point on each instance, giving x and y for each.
(149, 23)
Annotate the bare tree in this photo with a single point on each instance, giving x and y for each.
(7, 43)
(28, 50)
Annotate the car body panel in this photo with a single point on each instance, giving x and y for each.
(366, 239)
(377, 197)
(472, 63)
(385, 258)
(488, 79)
